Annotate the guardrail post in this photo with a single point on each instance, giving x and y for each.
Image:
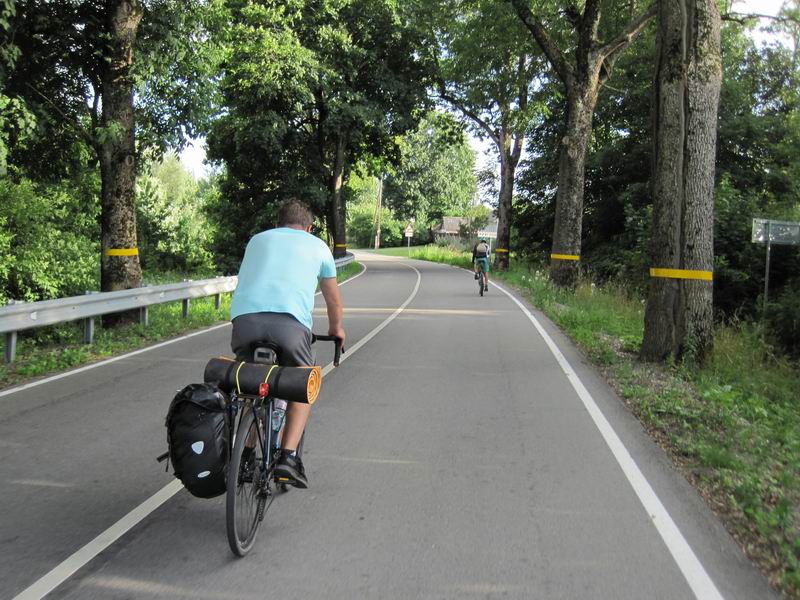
(144, 314)
(88, 326)
(11, 339)
(185, 311)
(217, 301)
(11, 346)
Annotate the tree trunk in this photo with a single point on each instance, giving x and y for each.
(338, 206)
(120, 262)
(678, 316)
(504, 209)
(569, 199)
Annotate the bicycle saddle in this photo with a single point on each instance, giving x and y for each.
(264, 352)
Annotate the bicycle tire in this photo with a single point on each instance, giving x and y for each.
(480, 282)
(245, 499)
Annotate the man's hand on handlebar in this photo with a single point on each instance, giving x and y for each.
(338, 332)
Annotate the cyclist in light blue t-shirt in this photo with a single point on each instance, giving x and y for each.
(274, 300)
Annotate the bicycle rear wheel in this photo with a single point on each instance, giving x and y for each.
(480, 281)
(248, 491)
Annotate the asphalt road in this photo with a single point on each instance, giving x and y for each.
(450, 456)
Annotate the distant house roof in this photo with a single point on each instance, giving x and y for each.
(451, 226)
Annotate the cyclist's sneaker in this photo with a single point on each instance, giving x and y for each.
(289, 470)
(485, 287)
(476, 277)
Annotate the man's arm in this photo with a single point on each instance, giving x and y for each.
(333, 302)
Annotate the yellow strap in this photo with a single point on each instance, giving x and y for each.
(238, 387)
(501, 249)
(122, 252)
(565, 257)
(682, 274)
(266, 379)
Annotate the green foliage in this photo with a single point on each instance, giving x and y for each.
(435, 174)
(477, 217)
(442, 254)
(361, 217)
(484, 78)
(16, 122)
(56, 128)
(303, 77)
(783, 318)
(174, 231)
(50, 240)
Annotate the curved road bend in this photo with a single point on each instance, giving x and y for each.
(450, 456)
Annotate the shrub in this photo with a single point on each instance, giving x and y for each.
(49, 240)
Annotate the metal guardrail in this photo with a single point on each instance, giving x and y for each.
(18, 316)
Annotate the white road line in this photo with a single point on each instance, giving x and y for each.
(380, 327)
(66, 569)
(696, 576)
(62, 572)
(108, 361)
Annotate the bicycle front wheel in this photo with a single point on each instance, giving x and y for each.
(248, 487)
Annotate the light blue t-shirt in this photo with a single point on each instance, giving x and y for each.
(279, 273)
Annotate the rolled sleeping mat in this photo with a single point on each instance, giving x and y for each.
(297, 384)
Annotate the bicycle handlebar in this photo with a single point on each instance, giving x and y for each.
(338, 351)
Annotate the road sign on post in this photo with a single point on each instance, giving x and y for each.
(783, 233)
(409, 233)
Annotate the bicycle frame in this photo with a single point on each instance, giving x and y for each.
(241, 402)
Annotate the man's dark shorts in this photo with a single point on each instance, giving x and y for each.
(290, 335)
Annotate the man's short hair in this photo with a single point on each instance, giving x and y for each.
(294, 212)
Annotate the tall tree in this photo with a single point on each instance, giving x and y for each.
(678, 317)
(91, 72)
(582, 80)
(312, 87)
(486, 70)
(117, 148)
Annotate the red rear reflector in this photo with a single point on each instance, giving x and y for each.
(263, 390)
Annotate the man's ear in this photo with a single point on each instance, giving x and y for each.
(309, 228)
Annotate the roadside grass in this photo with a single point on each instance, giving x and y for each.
(50, 349)
(731, 425)
(432, 253)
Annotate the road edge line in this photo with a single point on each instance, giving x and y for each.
(690, 566)
(81, 557)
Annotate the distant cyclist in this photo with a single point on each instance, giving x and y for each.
(274, 301)
(480, 260)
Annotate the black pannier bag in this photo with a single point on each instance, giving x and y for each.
(197, 434)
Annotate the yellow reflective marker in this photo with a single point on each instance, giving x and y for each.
(501, 249)
(122, 252)
(341, 245)
(565, 257)
(682, 274)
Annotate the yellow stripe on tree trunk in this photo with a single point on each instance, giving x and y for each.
(122, 252)
(682, 274)
(501, 249)
(565, 257)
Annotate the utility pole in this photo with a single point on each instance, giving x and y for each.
(378, 213)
